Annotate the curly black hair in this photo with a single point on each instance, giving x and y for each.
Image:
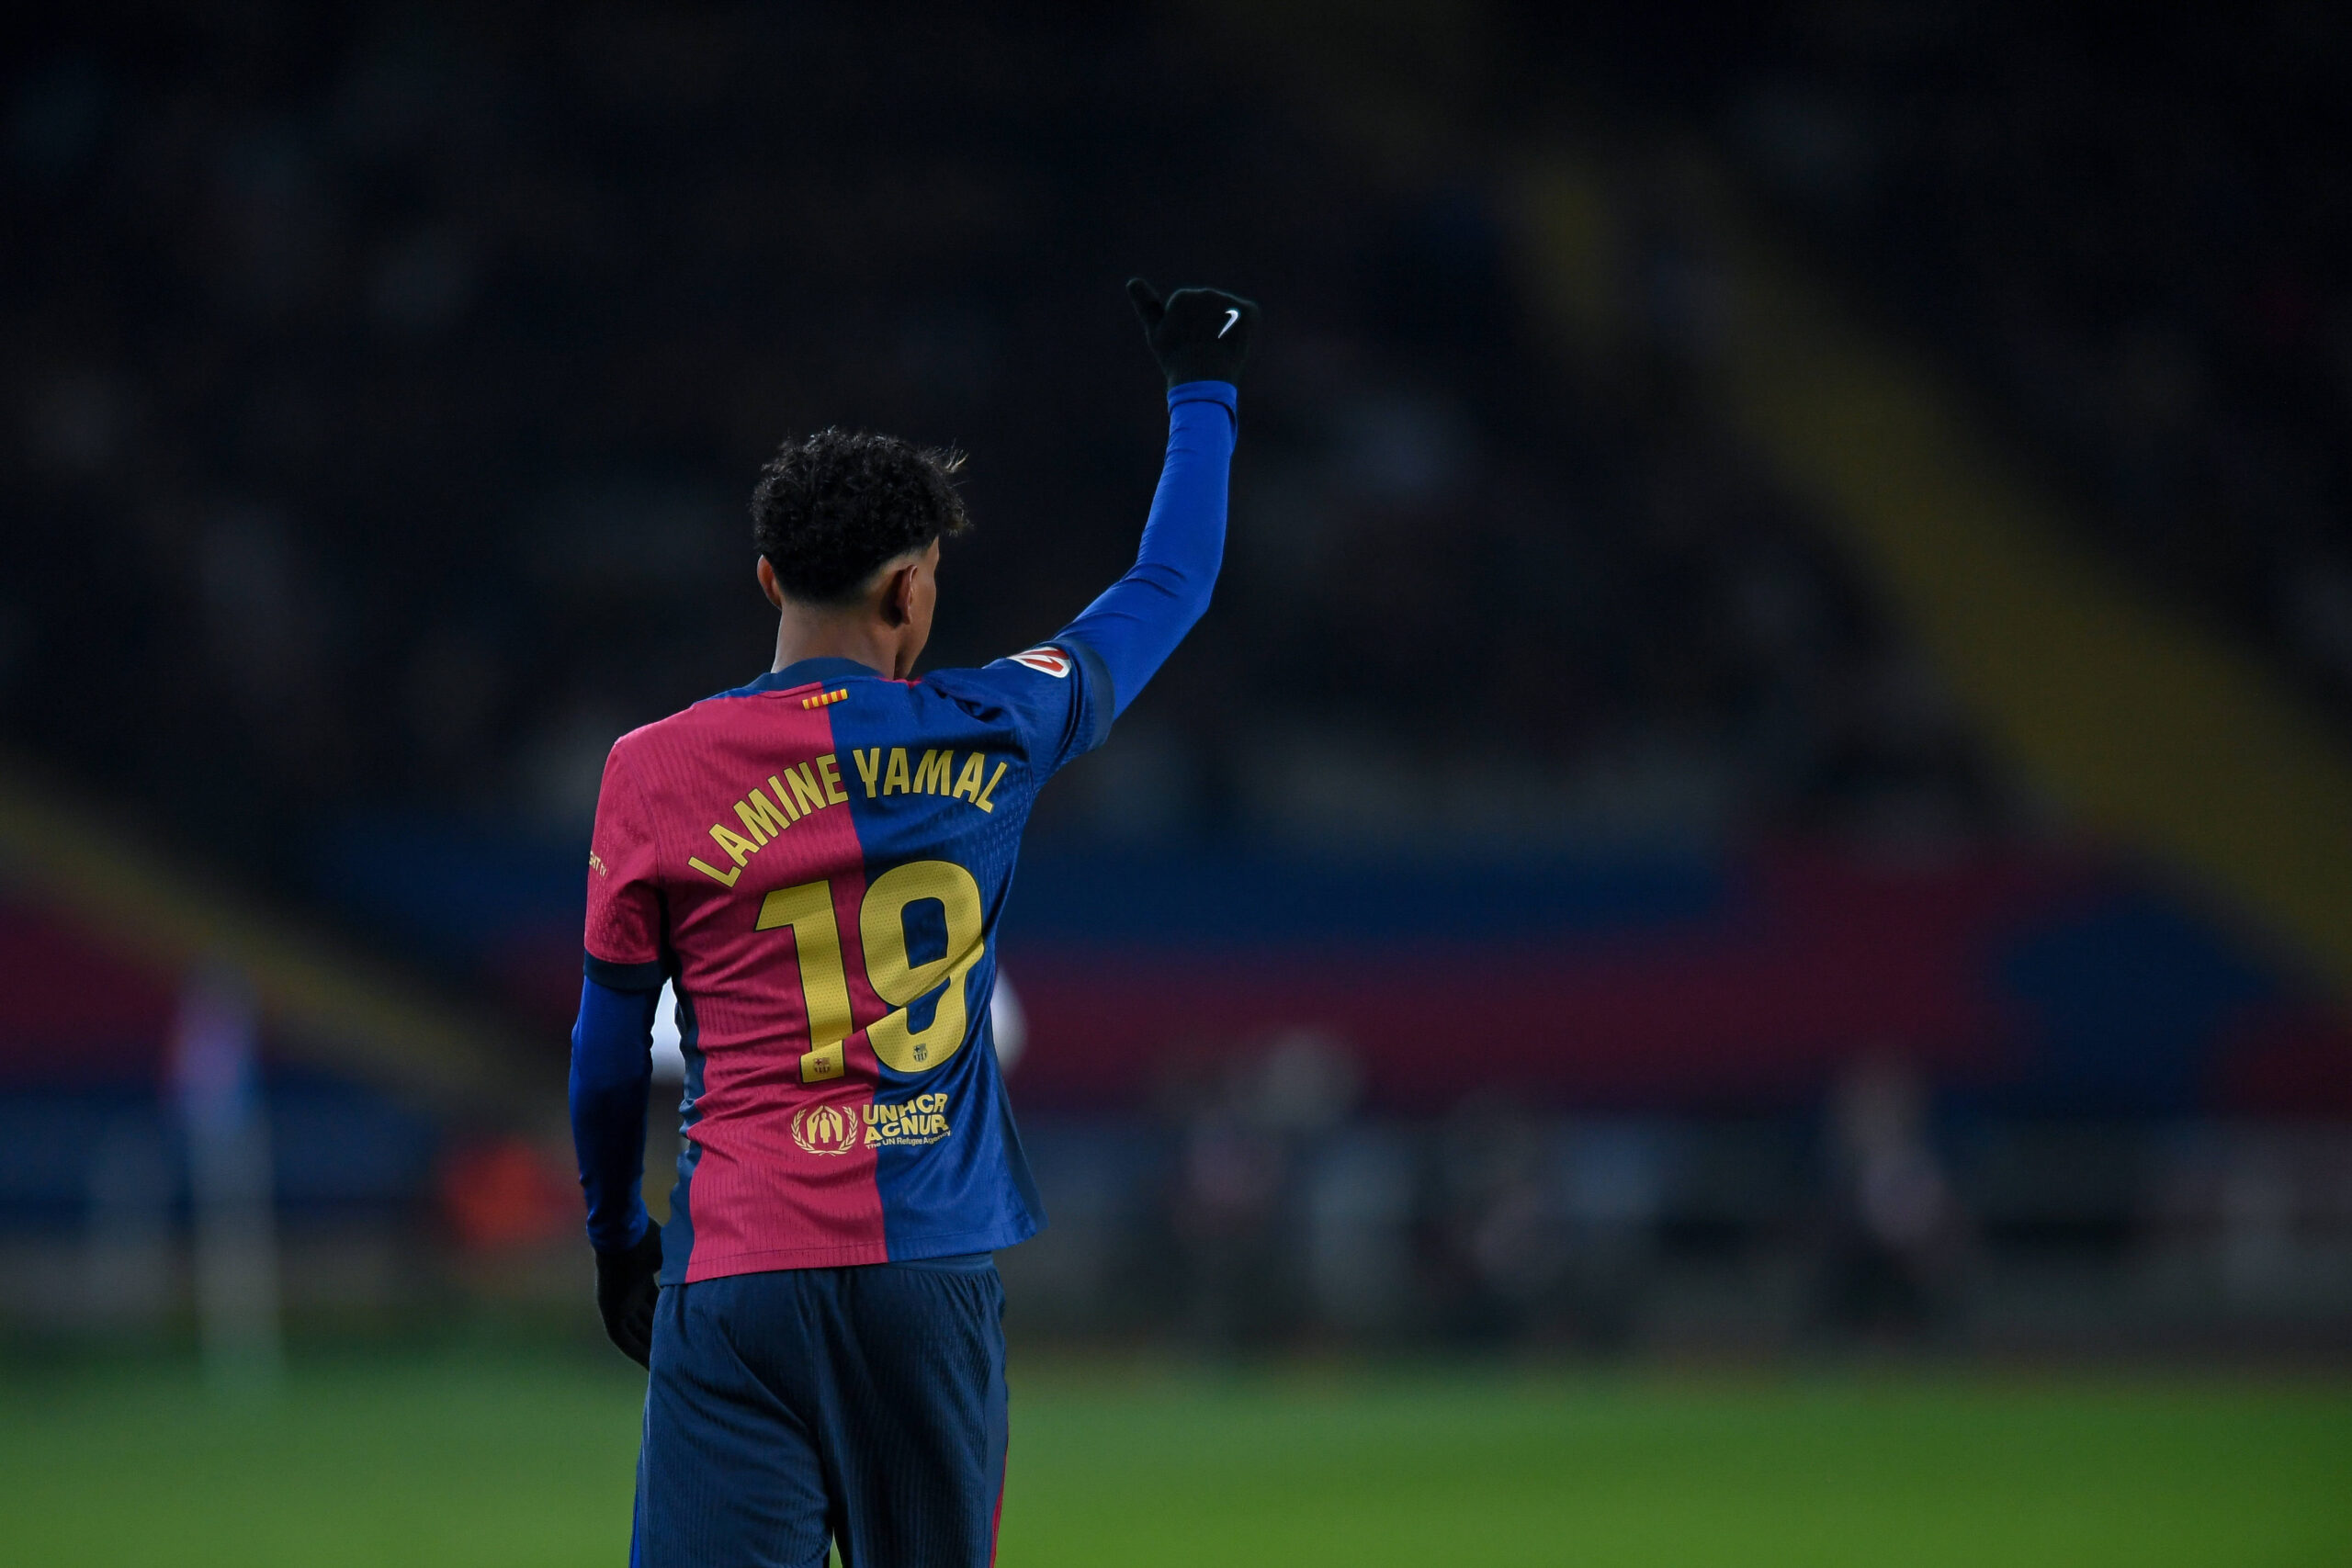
(828, 511)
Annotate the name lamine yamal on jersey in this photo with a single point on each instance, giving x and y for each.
(808, 788)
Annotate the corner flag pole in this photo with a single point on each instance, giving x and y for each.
(216, 1073)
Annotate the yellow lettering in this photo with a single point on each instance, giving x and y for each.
(895, 780)
(816, 948)
(734, 843)
(724, 878)
(918, 1118)
(807, 796)
(931, 774)
(832, 771)
(869, 767)
(761, 819)
(824, 1061)
(967, 782)
(784, 799)
(898, 980)
(983, 802)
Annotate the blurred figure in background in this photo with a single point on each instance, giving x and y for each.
(1891, 1258)
(1231, 1172)
(1612, 1187)
(1244, 1147)
(1502, 1251)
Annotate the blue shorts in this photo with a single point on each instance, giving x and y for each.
(864, 1407)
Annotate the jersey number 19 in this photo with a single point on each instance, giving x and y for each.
(896, 978)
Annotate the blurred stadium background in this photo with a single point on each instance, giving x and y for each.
(1769, 784)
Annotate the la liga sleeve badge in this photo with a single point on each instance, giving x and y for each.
(1047, 660)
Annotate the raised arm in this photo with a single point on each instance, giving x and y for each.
(1202, 338)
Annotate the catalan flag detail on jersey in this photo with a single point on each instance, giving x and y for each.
(816, 861)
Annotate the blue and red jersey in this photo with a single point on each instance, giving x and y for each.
(817, 864)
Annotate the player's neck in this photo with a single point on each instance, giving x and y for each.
(802, 634)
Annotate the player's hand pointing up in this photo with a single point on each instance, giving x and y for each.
(1198, 334)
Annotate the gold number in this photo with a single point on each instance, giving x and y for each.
(824, 982)
(882, 922)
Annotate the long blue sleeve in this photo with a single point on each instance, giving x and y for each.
(1138, 621)
(612, 1069)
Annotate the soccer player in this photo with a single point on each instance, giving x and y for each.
(816, 861)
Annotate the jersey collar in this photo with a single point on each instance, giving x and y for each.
(807, 672)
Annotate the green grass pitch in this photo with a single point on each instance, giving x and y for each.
(459, 1459)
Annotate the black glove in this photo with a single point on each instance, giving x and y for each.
(625, 1288)
(1198, 334)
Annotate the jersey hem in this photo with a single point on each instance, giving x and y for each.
(784, 1259)
(946, 1243)
(779, 1260)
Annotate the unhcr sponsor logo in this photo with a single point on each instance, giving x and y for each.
(826, 1129)
(922, 1120)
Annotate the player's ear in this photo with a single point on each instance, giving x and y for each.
(769, 585)
(897, 604)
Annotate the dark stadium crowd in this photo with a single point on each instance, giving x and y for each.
(382, 387)
(1256, 1216)
(386, 384)
(2135, 241)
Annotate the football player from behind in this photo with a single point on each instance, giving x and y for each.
(816, 862)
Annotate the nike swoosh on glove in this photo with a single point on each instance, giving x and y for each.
(1197, 334)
